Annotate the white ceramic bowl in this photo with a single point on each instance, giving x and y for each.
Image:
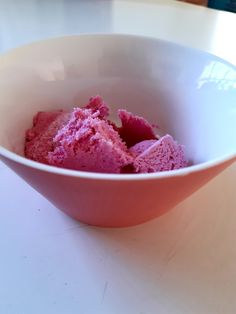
(188, 93)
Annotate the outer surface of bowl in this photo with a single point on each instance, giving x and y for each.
(129, 71)
(114, 203)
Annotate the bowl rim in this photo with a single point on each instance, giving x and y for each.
(107, 176)
(14, 50)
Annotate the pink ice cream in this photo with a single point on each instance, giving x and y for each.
(88, 142)
(134, 129)
(39, 139)
(85, 139)
(158, 155)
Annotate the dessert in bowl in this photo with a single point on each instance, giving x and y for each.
(188, 93)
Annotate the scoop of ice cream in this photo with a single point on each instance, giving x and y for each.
(89, 143)
(158, 155)
(134, 129)
(39, 139)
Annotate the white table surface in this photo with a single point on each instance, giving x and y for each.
(183, 262)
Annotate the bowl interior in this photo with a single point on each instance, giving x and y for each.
(188, 93)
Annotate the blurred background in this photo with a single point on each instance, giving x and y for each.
(25, 21)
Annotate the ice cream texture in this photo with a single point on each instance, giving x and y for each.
(85, 139)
